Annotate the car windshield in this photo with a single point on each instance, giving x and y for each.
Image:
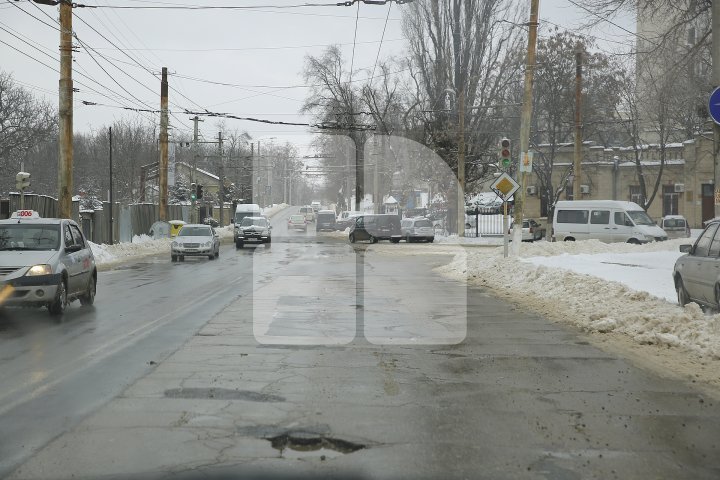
(25, 236)
(253, 221)
(674, 223)
(195, 232)
(640, 217)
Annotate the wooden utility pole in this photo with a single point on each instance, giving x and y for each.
(526, 120)
(577, 166)
(110, 195)
(65, 111)
(163, 176)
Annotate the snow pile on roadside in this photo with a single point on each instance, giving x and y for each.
(335, 233)
(454, 239)
(589, 302)
(543, 249)
(140, 246)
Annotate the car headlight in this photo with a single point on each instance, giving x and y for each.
(39, 270)
(206, 244)
(176, 244)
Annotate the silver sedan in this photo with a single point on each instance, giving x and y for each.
(697, 274)
(195, 240)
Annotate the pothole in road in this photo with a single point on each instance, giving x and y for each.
(221, 394)
(308, 444)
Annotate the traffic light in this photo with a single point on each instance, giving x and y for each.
(505, 153)
(199, 192)
(193, 192)
(22, 180)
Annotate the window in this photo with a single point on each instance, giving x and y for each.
(635, 195)
(674, 223)
(702, 247)
(670, 200)
(600, 217)
(69, 240)
(572, 216)
(715, 247)
(77, 236)
(622, 219)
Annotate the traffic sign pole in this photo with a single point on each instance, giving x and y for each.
(506, 230)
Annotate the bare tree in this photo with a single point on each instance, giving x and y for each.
(462, 60)
(25, 123)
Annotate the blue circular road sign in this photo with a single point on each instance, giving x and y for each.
(714, 105)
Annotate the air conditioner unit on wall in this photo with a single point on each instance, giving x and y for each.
(584, 188)
(531, 190)
(679, 187)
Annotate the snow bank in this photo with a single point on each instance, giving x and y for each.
(548, 285)
(270, 211)
(141, 246)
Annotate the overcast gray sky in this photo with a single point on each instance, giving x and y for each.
(260, 50)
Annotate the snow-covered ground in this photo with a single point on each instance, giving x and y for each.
(598, 287)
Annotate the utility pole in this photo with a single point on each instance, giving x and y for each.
(65, 112)
(253, 170)
(222, 178)
(376, 188)
(112, 205)
(526, 120)
(193, 171)
(163, 178)
(716, 83)
(461, 162)
(577, 166)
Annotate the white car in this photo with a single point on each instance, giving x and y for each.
(297, 222)
(195, 240)
(45, 262)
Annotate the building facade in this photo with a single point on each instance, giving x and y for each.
(686, 185)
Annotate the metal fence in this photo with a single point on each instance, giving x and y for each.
(486, 222)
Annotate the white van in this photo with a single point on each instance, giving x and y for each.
(604, 220)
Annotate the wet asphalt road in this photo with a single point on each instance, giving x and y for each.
(503, 395)
(53, 374)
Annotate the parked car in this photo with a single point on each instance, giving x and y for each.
(417, 229)
(45, 262)
(211, 221)
(308, 212)
(604, 220)
(195, 240)
(325, 220)
(297, 222)
(315, 206)
(676, 226)
(254, 230)
(697, 274)
(531, 230)
(375, 227)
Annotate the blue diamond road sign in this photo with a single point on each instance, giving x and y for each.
(714, 105)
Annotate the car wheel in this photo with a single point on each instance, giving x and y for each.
(395, 240)
(634, 241)
(373, 239)
(431, 239)
(89, 297)
(211, 257)
(173, 258)
(239, 244)
(181, 258)
(57, 307)
(352, 238)
(682, 295)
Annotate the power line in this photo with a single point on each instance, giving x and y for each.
(382, 37)
(352, 61)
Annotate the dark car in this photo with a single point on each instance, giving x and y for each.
(375, 227)
(325, 220)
